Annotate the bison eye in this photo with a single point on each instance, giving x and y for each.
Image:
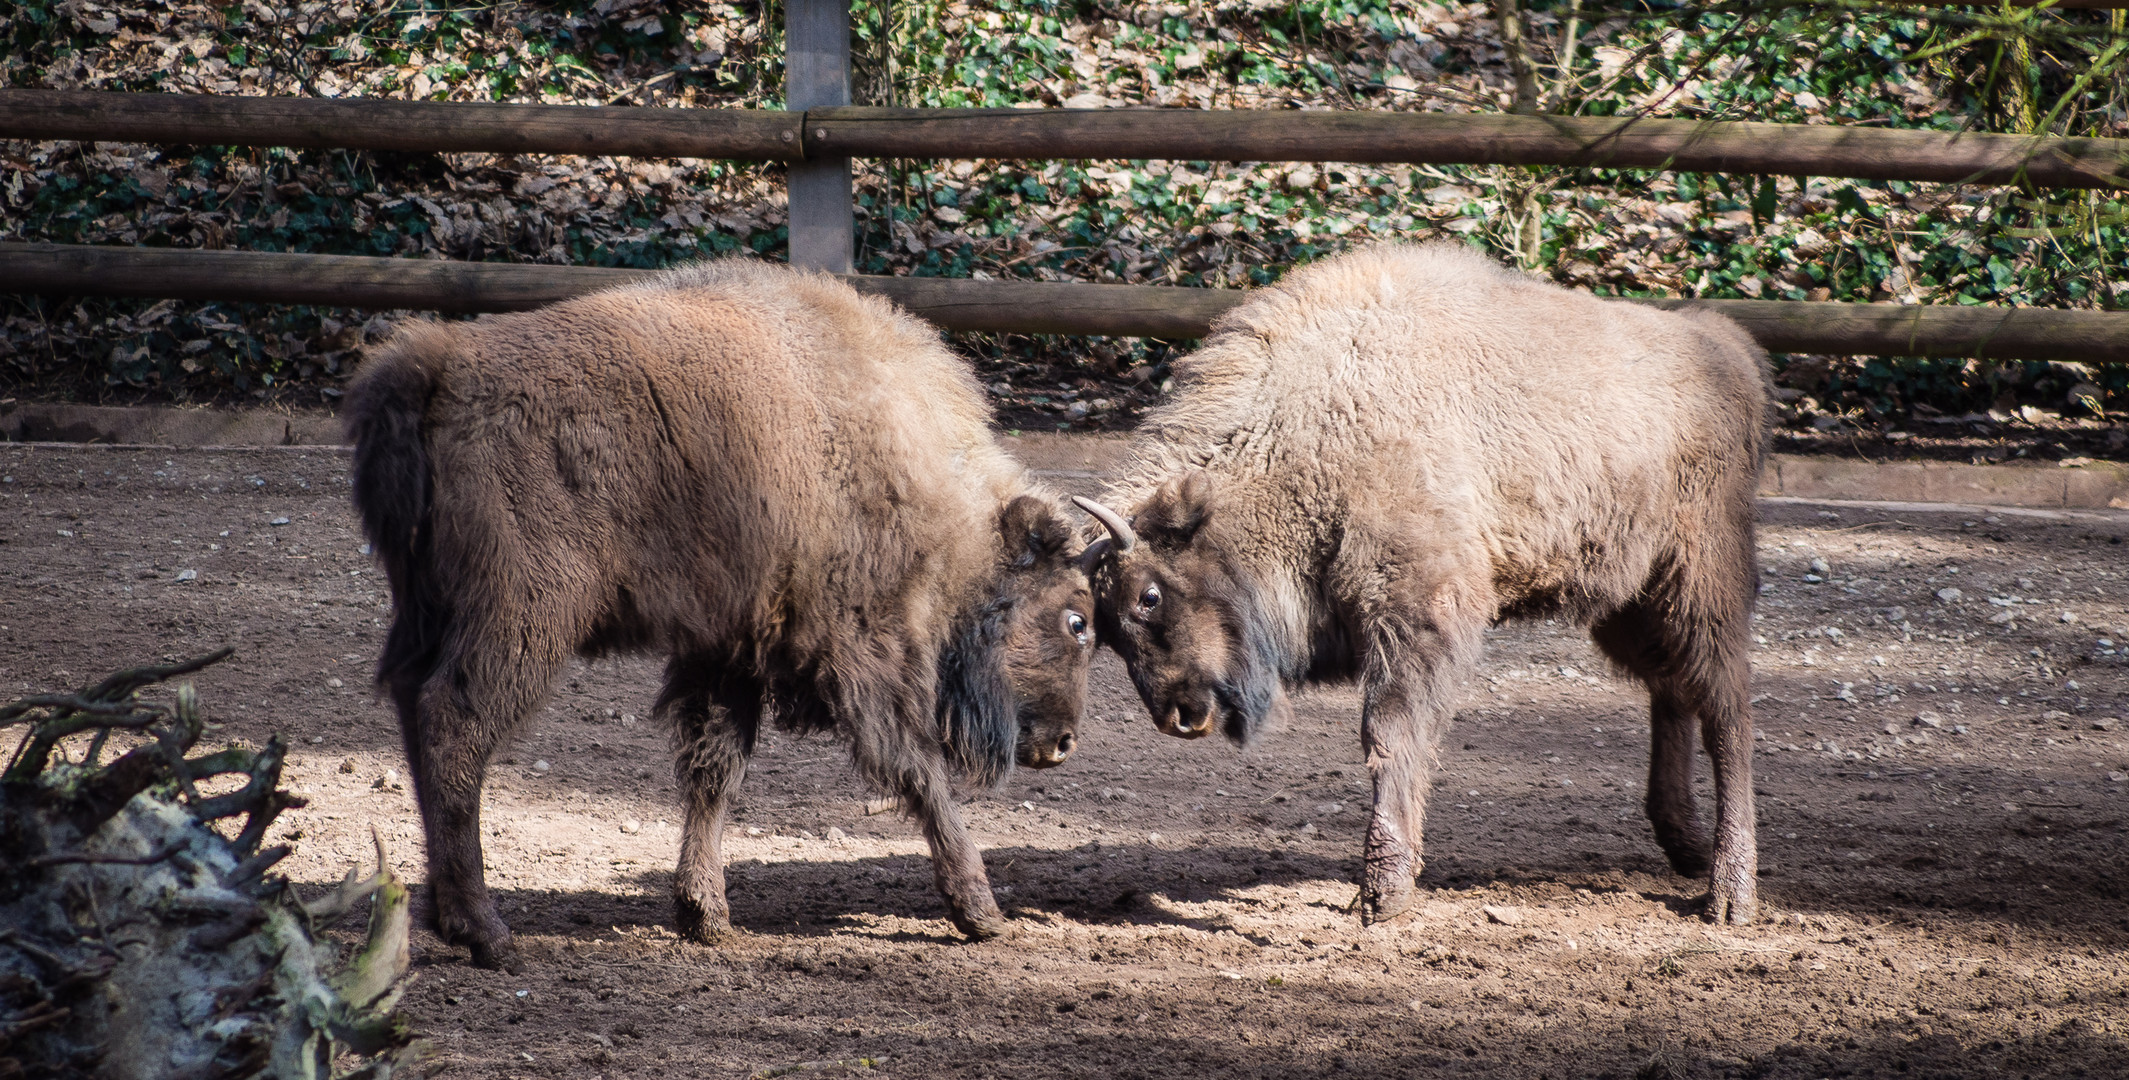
(1076, 625)
(1149, 599)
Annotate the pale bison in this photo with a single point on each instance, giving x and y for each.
(786, 488)
(1368, 464)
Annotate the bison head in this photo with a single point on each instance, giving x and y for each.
(1187, 621)
(1045, 612)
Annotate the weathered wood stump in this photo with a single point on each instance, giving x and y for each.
(138, 941)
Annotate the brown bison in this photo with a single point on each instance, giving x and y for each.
(1368, 464)
(786, 488)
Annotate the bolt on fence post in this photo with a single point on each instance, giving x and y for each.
(817, 75)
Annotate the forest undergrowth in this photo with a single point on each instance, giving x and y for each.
(1183, 223)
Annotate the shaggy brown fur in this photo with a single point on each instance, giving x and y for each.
(785, 487)
(1368, 464)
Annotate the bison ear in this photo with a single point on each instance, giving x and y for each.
(1033, 532)
(1176, 511)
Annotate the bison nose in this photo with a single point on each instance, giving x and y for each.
(1034, 755)
(1186, 723)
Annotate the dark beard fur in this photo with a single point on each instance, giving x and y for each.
(978, 722)
(1253, 694)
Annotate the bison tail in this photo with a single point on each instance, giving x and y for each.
(394, 489)
(978, 720)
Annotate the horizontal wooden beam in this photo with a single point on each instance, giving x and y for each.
(1047, 307)
(2059, 5)
(1471, 139)
(1031, 307)
(357, 281)
(1980, 331)
(1174, 134)
(380, 124)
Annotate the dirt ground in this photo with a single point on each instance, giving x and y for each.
(1944, 831)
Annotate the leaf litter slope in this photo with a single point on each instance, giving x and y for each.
(1943, 829)
(1164, 222)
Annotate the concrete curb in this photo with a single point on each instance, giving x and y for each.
(1096, 456)
(165, 426)
(2101, 485)
(1092, 456)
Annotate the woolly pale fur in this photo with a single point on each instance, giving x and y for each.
(1367, 464)
(789, 489)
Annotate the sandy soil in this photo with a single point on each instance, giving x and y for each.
(1944, 830)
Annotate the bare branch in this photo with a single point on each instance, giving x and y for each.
(156, 856)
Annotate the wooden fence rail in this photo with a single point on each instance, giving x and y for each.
(2060, 5)
(1011, 306)
(1471, 139)
(380, 124)
(1174, 134)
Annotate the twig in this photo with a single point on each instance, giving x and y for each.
(1508, 17)
(131, 679)
(254, 868)
(111, 860)
(642, 86)
(57, 962)
(46, 732)
(1570, 39)
(1873, 525)
(103, 932)
(96, 746)
(41, 1015)
(1018, 259)
(1445, 94)
(67, 704)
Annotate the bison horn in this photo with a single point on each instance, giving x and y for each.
(1110, 520)
(1092, 556)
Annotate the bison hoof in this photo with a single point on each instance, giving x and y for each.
(1376, 915)
(700, 924)
(982, 927)
(1385, 907)
(712, 934)
(1733, 896)
(1731, 911)
(498, 956)
(1688, 863)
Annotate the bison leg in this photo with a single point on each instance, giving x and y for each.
(1693, 657)
(1717, 678)
(715, 720)
(452, 722)
(956, 862)
(1717, 693)
(1726, 731)
(915, 770)
(957, 867)
(1672, 810)
(1409, 690)
(1635, 639)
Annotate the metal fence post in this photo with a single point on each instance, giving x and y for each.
(817, 75)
